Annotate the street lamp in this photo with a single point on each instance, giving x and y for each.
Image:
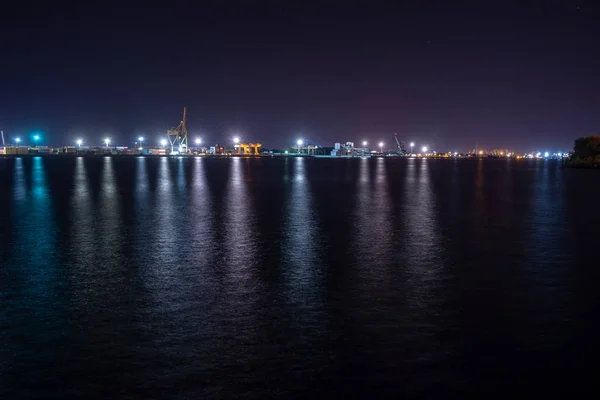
(381, 147)
(198, 141)
(163, 142)
(79, 141)
(236, 140)
(424, 149)
(412, 144)
(107, 141)
(365, 143)
(299, 142)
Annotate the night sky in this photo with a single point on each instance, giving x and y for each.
(522, 77)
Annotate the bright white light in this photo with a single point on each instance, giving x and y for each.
(365, 143)
(424, 149)
(36, 137)
(79, 141)
(236, 140)
(286, 152)
(559, 154)
(538, 154)
(163, 142)
(180, 149)
(141, 138)
(107, 141)
(300, 142)
(546, 154)
(198, 141)
(455, 153)
(18, 140)
(480, 152)
(412, 144)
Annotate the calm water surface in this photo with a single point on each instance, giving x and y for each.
(257, 278)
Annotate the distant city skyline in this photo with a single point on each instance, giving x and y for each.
(502, 76)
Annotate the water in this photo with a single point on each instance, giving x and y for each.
(258, 278)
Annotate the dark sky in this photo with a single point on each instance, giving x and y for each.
(501, 74)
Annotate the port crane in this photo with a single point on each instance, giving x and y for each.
(178, 136)
(401, 149)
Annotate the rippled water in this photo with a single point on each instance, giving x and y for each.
(256, 278)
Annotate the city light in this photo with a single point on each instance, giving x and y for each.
(198, 141)
(412, 144)
(300, 142)
(107, 141)
(546, 154)
(480, 152)
(163, 142)
(236, 140)
(559, 154)
(365, 143)
(18, 140)
(381, 147)
(79, 142)
(424, 149)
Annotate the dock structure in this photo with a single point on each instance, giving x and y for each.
(248, 148)
(178, 136)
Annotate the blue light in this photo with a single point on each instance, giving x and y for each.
(546, 154)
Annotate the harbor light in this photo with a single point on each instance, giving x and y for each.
(236, 140)
(79, 142)
(412, 144)
(381, 147)
(107, 141)
(18, 140)
(36, 137)
(559, 155)
(480, 152)
(300, 142)
(198, 141)
(546, 154)
(163, 142)
(365, 143)
(424, 149)
(141, 140)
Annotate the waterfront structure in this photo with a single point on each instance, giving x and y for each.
(178, 136)
(248, 148)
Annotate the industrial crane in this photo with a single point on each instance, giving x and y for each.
(178, 136)
(400, 145)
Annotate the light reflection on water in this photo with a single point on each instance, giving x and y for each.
(377, 274)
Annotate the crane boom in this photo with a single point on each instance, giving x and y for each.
(400, 144)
